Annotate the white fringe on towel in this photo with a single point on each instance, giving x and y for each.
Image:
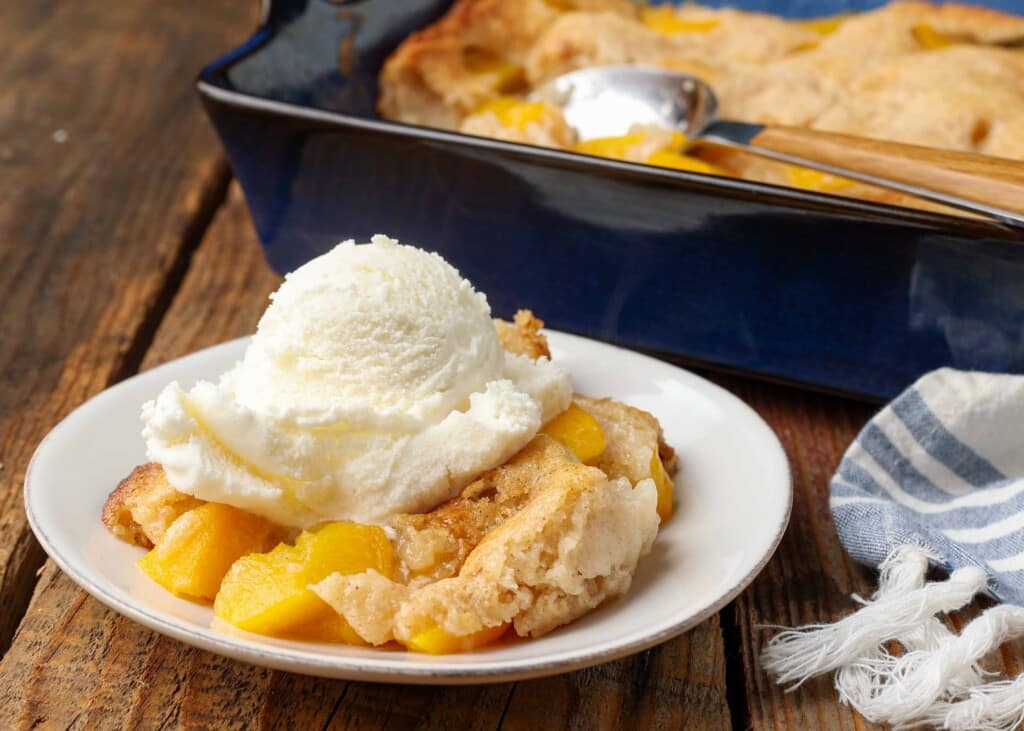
(936, 678)
(992, 707)
(903, 571)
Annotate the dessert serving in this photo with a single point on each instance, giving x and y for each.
(939, 75)
(388, 466)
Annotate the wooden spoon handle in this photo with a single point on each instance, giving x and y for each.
(989, 185)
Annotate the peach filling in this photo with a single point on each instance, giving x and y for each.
(664, 19)
(577, 431)
(929, 37)
(268, 593)
(665, 486)
(200, 547)
(643, 147)
(438, 641)
(517, 114)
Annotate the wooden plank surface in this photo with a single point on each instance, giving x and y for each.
(810, 578)
(74, 662)
(108, 173)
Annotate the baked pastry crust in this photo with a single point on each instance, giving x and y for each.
(435, 545)
(522, 336)
(535, 543)
(475, 51)
(143, 505)
(879, 74)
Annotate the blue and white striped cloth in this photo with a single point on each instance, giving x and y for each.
(936, 477)
(941, 467)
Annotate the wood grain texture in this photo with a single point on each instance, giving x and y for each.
(72, 658)
(990, 180)
(810, 579)
(107, 167)
(74, 662)
(677, 685)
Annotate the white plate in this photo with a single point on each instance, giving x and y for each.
(733, 492)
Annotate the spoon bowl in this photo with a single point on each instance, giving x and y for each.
(607, 101)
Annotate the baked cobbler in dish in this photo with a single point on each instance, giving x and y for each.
(940, 75)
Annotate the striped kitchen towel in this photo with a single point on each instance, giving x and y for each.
(935, 478)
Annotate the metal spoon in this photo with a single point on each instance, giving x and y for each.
(607, 101)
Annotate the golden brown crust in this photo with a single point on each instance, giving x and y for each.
(143, 504)
(572, 543)
(476, 51)
(536, 542)
(523, 335)
(117, 516)
(435, 545)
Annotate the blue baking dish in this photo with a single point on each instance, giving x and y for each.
(811, 288)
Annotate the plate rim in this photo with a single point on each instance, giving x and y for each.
(359, 669)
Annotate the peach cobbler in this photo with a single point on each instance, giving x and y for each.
(387, 464)
(939, 75)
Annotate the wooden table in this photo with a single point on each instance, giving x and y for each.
(125, 244)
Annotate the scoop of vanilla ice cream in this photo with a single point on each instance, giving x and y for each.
(375, 384)
(383, 332)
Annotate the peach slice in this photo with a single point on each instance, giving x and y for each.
(578, 431)
(438, 641)
(664, 19)
(929, 37)
(625, 147)
(827, 25)
(677, 161)
(615, 147)
(665, 486)
(201, 545)
(269, 593)
(325, 625)
(517, 113)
